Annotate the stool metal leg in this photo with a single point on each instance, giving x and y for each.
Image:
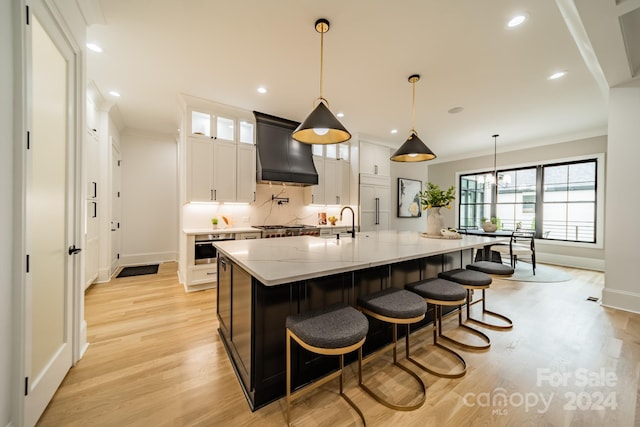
(479, 334)
(509, 322)
(437, 331)
(393, 345)
(340, 373)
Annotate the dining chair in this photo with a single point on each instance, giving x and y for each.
(521, 244)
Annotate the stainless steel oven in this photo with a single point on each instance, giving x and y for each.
(204, 251)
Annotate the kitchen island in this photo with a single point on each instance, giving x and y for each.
(261, 282)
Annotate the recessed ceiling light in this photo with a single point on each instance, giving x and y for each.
(114, 93)
(557, 75)
(340, 114)
(262, 89)
(94, 47)
(517, 20)
(394, 130)
(455, 110)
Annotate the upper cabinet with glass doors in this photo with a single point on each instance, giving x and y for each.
(224, 171)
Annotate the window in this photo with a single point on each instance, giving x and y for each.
(563, 195)
(569, 202)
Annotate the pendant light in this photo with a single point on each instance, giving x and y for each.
(321, 126)
(494, 178)
(413, 150)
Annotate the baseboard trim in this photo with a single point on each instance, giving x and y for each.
(570, 261)
(149, 258)
(621, 300)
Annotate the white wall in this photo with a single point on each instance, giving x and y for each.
(6, 207)
(622, 289)
(149, 198)
(418, 171)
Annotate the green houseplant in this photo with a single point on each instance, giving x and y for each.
(434, 198)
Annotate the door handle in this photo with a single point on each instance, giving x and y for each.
(73, 250)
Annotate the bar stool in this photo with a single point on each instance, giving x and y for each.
(335, 330)
(440, 293)
(395, 306)
(472, 280)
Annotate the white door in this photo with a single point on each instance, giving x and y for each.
(51, 213)
(116, 208)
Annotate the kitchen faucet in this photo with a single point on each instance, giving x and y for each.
(353, 220)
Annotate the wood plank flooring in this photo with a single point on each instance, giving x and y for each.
(155, 359)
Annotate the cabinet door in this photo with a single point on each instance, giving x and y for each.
(246, 176)
(224, 172)
(332, 181)
(200, 170)
(345, 182)
(224, 296)
(317, 191)
(374, 159)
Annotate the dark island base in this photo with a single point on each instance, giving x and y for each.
(252, 319)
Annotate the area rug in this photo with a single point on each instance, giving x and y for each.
(138, 270)
(544, 273)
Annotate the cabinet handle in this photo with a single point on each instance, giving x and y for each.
(209, 273)
(254, 196)
(95, 189)
(215, 194)
(223, 264)
(211, 196)
(375, 169)
(95, 210)
(337, 200)
(377, 210)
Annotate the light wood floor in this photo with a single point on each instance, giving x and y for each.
(155, 359)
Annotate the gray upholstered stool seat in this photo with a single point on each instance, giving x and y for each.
(395, 306)
(438, 289)
(489, 267)
(334, 327)
(467, 277)
(395, 303)
(331, 331)
(473, 279)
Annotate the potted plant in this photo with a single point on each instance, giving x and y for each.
(214, 222)
(434, 198)
(490, 225)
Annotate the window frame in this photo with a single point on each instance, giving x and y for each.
(599, 158)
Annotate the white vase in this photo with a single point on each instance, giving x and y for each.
(435, 222)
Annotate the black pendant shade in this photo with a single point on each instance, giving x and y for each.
(413, 150)
(321, 127)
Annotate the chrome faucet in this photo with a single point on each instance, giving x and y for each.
(353, 220)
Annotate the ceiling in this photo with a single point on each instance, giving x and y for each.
(155, 50)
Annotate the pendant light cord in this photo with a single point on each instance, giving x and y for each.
(321, 61)
(413, 107)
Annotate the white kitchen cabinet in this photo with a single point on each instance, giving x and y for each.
(374, 159)
(375, 203)
(211, 170)
(317, 191)
(249, 235)
(221, 155)
(246, 173)
(333, 182)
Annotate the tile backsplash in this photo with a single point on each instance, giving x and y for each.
(265, 211)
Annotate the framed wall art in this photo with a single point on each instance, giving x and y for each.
(409, 198)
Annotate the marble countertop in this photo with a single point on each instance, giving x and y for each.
(289, 259)
(212, 230)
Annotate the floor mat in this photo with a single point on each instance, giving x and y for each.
(544, 273)
(138, 270)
